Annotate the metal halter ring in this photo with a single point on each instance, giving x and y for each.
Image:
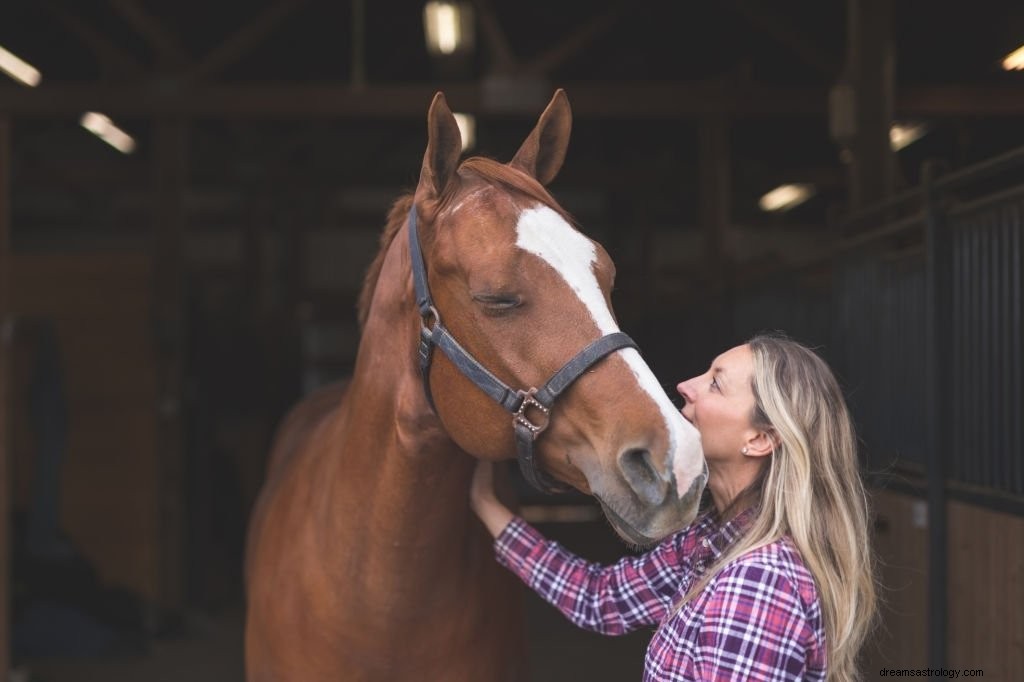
(520, 417)
(425, 316)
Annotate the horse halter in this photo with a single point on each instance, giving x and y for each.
(531, 408)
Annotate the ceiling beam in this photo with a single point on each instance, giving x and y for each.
(768, 21)
(241, 42)
(595, 99)
(149, 27)
(625, 99)
(497, 42)
(576, 41)
(117, 62)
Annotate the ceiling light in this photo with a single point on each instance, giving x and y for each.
(19, 70)
(785, 197)
(1015, 60)
(103, 128)
(448, 27)
(904, 134)
(467, 128)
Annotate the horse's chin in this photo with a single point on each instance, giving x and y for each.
(624, 529)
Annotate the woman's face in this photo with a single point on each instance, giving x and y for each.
(720, 403)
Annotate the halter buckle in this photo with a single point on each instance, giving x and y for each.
(543, 413)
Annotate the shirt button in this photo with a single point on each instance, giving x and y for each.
(705, 542)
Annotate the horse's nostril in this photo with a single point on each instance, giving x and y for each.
(638, 468)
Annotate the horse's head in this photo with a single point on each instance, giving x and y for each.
(523, 292)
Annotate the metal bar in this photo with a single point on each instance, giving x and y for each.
(957, 326)
(1017, 343)
(1006, 351)
(937, 354)
(6, 328)
(982, 360)
(1017, 369)
(982, 170)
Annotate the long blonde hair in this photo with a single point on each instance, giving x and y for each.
(811, 491)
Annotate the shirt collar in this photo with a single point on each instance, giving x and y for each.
(719, 537)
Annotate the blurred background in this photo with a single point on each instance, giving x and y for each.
(190, 193)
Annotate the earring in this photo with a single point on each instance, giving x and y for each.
(744, 450)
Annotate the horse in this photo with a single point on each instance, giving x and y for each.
(364, 561)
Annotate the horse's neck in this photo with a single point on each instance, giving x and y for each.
(398, 472)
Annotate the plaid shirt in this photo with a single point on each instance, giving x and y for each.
(758, 619)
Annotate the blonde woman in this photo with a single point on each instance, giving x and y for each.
(774, 580)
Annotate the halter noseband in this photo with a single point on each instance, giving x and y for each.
(531, 408)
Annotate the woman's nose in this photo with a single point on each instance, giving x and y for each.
(685, 389)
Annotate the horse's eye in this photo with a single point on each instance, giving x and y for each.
(498, 302)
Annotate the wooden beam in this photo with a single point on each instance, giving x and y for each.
(170, 179)
(118, 61)
(871, 71)
(238, 44)
(765, 18)
(497, 42)
(635, 100)
(618, 99)
(6, 332)
(715, 177)
(169, 48)
(576, 41)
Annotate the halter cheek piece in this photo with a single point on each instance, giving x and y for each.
(531, 408)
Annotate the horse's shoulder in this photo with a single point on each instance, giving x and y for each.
(301, 421)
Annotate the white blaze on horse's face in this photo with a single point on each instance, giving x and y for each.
(544, 233)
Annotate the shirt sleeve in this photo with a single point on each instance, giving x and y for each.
(611, 600)
(755, 627)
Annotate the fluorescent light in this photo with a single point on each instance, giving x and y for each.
(103, 128)
(448, 26)
(785, 197)
(1015, 60)
(467, 128)
(904, 134)
(19, 70)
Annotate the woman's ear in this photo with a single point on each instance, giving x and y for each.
(764, 442)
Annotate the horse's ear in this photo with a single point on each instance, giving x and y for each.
(444, 145)
(544, 150)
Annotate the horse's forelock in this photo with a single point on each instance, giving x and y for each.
(488, 169)
(513, 179)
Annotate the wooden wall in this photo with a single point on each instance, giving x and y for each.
(986, 588)
(101, 306)
(986, 591)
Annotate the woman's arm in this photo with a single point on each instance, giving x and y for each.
(485, 503)
(612, 600)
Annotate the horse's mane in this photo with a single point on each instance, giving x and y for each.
(488, 169)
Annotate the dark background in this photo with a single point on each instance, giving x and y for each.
(168, 306)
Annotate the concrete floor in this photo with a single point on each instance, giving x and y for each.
(212, 649)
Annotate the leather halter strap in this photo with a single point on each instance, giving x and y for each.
(531, 408)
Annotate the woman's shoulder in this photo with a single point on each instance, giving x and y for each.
(780, 561)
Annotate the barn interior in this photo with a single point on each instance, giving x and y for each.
(167, 294)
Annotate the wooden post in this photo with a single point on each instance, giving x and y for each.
(715, 209)
(170, 176)
(6, 329)
(871, 72)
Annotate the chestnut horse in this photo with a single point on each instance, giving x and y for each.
(364, 559)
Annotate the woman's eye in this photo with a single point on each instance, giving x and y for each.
(714, 384)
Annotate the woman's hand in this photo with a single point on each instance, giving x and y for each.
(484, 502)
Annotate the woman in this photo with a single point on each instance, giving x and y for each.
(774, 581)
